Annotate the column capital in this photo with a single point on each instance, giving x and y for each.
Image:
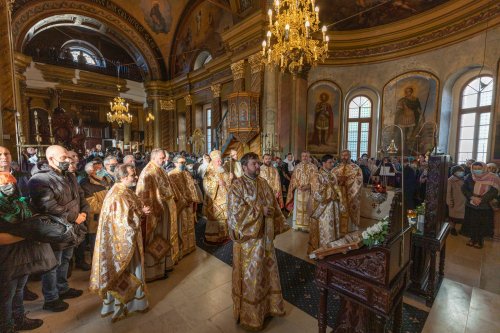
(167, 105)
(256, 64)
(216, 90)
(238, 69)
(189, 100)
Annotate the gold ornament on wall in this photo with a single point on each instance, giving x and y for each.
(289, 40)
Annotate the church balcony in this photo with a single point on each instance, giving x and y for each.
(126, 72)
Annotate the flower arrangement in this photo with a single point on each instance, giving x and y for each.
(375, 234)
(420, 209)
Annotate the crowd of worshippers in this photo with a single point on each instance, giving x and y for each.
(136, 216)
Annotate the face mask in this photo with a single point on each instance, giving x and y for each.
(8, 189)
(112, 168)
(459, 174)
(101, 173)
(63, 166)
(132, 185)
(182, 167)
(275, 164)
(477, 172)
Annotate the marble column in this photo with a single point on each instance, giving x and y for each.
(270, 103)
(155, 92)
(216, 114)
(299, 114)
(168, 124)
(238, 69)
(8, 103)
(188, 99)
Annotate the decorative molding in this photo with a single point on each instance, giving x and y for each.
(167, 105)
(438, 30)
(189, 100)
(238, 69)
(256, 64)
(216, 90)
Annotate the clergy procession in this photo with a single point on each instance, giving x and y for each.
(139, 222)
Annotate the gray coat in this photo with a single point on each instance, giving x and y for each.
(455, 199)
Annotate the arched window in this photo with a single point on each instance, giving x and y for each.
(202, 59)
(475, 119)
(90, 55)
(358, 126)
(87, 56)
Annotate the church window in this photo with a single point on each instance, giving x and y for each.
(358, 126)
(87, 55)
(474, 119)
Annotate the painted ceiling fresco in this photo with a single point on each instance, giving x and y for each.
(362, 14)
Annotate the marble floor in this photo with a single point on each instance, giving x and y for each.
(197, 297)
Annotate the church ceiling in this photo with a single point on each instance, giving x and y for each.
(171, 33)
(362, 14)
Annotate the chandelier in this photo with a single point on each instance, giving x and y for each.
(290, 43)
(119, 111)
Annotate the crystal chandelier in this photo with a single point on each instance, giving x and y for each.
(290, 43)
(119, 111)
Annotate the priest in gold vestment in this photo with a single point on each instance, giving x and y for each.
(160, 227)
(254, 219)
(216, 184)
(271, 175)
(118, 275)
(299, 191)
(325, 210)
(350, 180)
(188, 196)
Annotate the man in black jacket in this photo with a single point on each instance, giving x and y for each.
(55, 191)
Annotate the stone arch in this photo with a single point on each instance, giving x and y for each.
(186, 45)
(116, 23)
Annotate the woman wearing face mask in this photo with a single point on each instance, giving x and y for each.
(455, 199)
(480, 188)
(19, 259)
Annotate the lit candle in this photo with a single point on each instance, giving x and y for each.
(307, 28)
(287, 31)
(316, 9)
(270, 13)
(264, 48)
(323, 30)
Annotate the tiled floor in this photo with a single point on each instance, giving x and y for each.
(197, 297)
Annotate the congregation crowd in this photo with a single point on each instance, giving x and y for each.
(134, 216)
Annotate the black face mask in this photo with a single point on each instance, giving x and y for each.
(8, 189)
(112, 168)
(63, 166)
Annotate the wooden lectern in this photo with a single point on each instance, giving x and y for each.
(425, 246)
(369, 281)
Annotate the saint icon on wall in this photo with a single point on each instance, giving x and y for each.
(323, 118)
(410, 101)
(157, 14)
(409, 113)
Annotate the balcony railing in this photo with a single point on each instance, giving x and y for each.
(126, 72)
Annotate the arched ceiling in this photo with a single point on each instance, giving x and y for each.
(158, 28)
